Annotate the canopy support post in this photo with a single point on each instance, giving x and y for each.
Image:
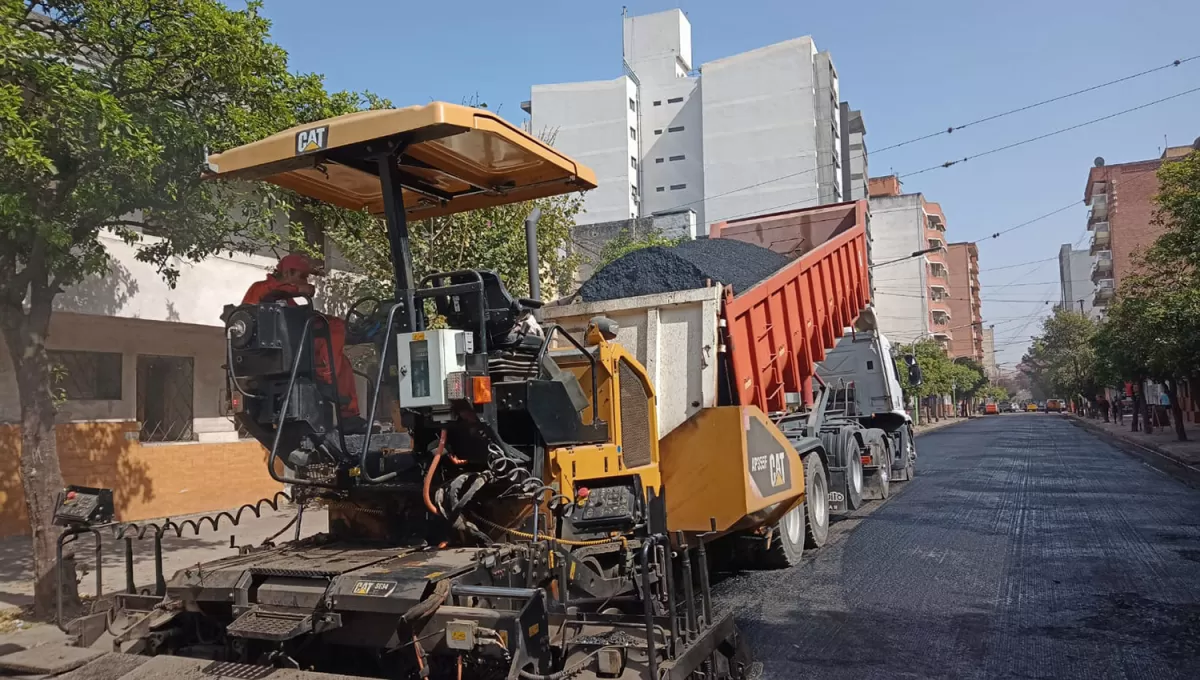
(397, 230)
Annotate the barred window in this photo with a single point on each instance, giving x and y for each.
(86, 376)
(164, 398)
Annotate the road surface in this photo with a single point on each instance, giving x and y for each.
(1025, 548)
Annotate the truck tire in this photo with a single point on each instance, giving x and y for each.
(842, 450)
(816, 502)
(786, 544)
(880, 485)
(908, 448)
(848, 451)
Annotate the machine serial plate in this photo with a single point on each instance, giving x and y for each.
(374, 588)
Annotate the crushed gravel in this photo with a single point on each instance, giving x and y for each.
(692, 264)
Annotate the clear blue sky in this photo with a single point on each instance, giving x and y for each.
(911, 67)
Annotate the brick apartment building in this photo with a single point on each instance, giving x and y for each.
(1121, 219)
(966, 308)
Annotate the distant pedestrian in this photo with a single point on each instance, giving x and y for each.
(1119, 409)
(1102, 406)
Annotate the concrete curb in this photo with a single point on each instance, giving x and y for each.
(1152, 454)
(938, 426)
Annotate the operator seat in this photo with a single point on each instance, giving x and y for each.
(502, 312)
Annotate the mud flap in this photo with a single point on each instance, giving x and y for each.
(837, 489)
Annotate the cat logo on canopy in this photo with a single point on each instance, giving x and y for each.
(308, 141)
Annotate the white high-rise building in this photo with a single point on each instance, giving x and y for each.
(758, 132)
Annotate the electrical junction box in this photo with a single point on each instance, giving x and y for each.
(432, 367)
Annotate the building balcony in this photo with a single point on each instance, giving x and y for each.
(1099, 209)
(940, 317)
(935, 223)
(1105, 288)
(1101, 238)
(1102, 267)
(935, 242)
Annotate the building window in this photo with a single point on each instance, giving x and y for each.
(678, 128)
(633, 162)
(86, 376)
(658, 132)
(674, 100)
(856, 175)
(677, 158)
(660, 189)
(164, 398)
(633, 134)
(658, 102)
(658, 160)
(856, 147)
(677, 187)
(632, 105)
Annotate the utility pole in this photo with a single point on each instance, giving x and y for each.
(1081, 307)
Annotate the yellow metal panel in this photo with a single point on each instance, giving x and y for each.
(474, 155)
(729, 464)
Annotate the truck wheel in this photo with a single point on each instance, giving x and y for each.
(787, 542)
(908, 449)
(816, 503)
(879, 486)
(854, 470)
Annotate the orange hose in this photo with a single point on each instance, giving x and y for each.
(460, 667)
(437, 456)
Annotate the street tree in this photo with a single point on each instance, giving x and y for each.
(107, 109)
(1061, 360)
(1152, 329)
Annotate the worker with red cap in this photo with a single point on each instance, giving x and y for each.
(288, 281)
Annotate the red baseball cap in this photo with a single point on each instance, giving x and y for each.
(298, 262)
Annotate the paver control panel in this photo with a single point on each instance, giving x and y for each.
(83, 505)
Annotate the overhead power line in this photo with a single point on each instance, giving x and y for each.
(951, 129)
(1027, 107)
(1059, 131)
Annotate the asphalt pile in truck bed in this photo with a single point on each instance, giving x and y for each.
(692, 264)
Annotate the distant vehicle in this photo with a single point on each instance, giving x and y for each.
(1055, 406)
(991, 409)
(1007, 407)
(1031, 407)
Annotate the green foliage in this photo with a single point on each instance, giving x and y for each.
(992, 393)
(626, 242)
(1152, 328)
(490, 238)
(106, 113)
(1061, 361)
(939, 374)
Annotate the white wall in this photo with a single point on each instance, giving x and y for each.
(658, 47)
(131, 337)
(1075, 276)
(901, 290)
(659, 113)
(591, 124)
(759, 125)
(135, 290)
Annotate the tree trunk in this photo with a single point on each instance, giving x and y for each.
(1135, 412)
(1176, 412)
(41, 476)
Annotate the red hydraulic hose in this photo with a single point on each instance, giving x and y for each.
(437, 456)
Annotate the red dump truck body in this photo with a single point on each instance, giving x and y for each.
(779, 330)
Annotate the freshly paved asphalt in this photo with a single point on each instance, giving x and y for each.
(1026, 547)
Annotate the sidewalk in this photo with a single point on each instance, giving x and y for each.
(1161, 441)
(944, 422)
(16, 580)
